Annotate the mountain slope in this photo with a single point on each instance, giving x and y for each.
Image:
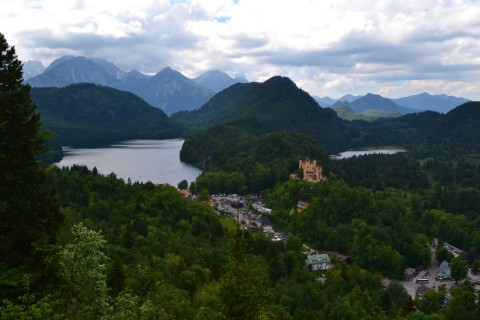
(349, 98)
(32, 68)
(376, 102)
(324, 102)
(216, 80)
(87, 114)
(168, 89)
(275, 105)
(70, 70)
(424, 101)
(171, 91)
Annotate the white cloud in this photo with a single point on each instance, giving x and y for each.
(329, 47)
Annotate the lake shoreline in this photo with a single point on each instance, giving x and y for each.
(366, 151)
(157, 161)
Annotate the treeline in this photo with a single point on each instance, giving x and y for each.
(167, 256)
(143, 251)
(448, 136)
(139, 251)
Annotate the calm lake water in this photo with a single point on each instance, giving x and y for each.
(157, 161)
(352, 153)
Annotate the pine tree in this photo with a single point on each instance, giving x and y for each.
(29, 214)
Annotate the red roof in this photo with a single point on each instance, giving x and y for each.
(184, 192)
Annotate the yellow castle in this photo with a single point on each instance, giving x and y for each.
(311, 171)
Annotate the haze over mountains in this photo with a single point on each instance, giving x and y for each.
(168, 90)
(171, 91)
(420, 102)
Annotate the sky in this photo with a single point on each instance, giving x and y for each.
(327, 47)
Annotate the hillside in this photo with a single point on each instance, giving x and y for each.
(241, 162)
(275, 105)
(344, 111)
(458, 130)
(429, 133)
(87, 114)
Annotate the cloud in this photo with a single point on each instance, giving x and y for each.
(325, 46)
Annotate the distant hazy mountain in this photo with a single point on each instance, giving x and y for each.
(169, 90)
(274, 105)
(31, 68)
(349, 98)
(216, 80)
(376, 102)
(324, 102)
(70, 70)
(424, 101)
(88, 114)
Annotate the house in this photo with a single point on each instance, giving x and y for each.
(260, 207)
(318, 261)
(280, 236)
(444, 272)
(185, 193)
(302, 205)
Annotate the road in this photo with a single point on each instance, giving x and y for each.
(411, 286)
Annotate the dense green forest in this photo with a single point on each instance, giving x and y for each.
(238, 162)
(79, 245)
(275, 105)
(91, 115)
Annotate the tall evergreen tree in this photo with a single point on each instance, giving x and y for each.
(29, 214)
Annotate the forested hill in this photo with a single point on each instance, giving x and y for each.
(429, 133)
(274, 105)
(88, 114)
(240, 162)
(457, 130)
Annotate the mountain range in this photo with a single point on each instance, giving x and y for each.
(168, 90)
(425, 101)
(420, 102)
(171, 91)
(88, 114)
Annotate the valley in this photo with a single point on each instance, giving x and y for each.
(319, 238)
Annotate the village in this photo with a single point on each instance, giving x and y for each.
(249, 212)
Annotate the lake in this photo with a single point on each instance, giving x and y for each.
(157, 161)
(353, 153)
